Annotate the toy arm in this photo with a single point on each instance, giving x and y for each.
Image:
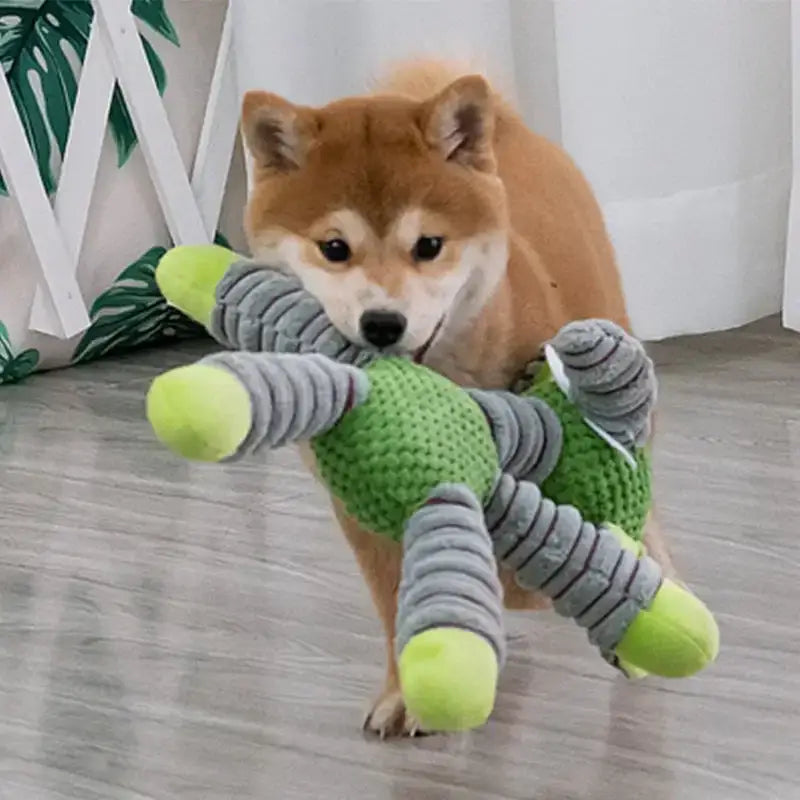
(231, 404)
(526, 431)
(263, 309)
(608, 375)
(246, 305)
(450, 637)
(601, 578)
(583, 568)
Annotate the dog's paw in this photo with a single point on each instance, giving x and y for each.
(523, 382)
(389, 717)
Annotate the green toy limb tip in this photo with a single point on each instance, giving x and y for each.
(188, 275)
(200, 412)
(449, 678)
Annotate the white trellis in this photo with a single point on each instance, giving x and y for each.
(190, 203)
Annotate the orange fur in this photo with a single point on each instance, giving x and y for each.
(460, 156)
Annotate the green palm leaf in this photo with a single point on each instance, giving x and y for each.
(152, 13)
(35, 39)
(132, 313)
(14, 368)
(6, 353)
(20, 366)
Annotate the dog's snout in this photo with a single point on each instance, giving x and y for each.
(382, 328)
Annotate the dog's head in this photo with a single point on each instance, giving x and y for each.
(388, 209)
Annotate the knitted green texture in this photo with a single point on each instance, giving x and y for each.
(415, 431)
(591, 475)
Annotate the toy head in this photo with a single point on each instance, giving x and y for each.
(382, 206)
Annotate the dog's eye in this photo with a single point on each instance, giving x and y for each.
(335, 249)
(427, 248)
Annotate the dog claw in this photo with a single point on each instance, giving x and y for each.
(389, 718)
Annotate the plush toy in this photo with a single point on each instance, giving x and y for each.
(553, 485)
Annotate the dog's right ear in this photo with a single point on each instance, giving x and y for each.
(277, 133)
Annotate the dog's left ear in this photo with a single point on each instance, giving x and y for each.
(459, 122)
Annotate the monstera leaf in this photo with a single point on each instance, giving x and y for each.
(13, 367)
(132, 313)
(40, 42)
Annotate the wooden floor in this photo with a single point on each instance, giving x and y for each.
(187, 632)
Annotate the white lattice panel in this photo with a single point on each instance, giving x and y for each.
(190, 203)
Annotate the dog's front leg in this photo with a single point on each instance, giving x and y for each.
(656, 546)
(379, 560)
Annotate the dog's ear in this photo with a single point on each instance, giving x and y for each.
(459, 123)
(277, 133)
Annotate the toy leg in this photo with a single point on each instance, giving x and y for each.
(232, 404)
(609, 377)
(526, 431)
(594, 575)
(250, 306)
(450, 636)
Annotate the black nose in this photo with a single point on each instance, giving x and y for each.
(383, 328)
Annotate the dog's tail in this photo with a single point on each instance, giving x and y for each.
(420, 79)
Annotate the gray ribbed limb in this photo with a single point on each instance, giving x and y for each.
(583, 568)
(263, 309)
(449, 576)
(611, 378)
(526, 431)
(293, 398)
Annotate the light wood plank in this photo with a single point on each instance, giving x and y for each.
(172, 630)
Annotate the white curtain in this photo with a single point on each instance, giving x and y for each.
(679, 112)
(791, 303)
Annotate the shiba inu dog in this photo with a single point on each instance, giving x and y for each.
(430, 221)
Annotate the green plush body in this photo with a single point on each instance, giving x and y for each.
(590, 475)
(415, 431)
(383, 465)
